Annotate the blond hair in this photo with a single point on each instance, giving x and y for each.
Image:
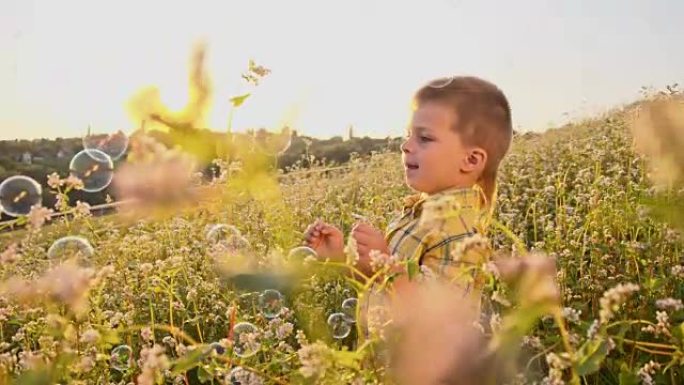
(483, 120)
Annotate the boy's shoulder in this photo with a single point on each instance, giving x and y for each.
(411, 201)
(453, 211)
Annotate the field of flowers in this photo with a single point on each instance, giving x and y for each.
(585, 286)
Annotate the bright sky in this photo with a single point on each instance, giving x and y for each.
(65, 64)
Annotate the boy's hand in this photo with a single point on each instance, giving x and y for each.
(327, 240)
(368, 238)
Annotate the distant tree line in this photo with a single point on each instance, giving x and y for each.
(40, 157)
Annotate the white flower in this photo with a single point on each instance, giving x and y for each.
(54, 181)
(678, 271)
(146, 267)
(61, 202)
(284, 330)
(662, 327)
(90, 337)
(646, 371)
(315, 359)
(379, 260)
(10, 254)
(82, 209)
(572, 315)
(146, 334)
(74, 182)
(614, 298)
(669, 304)
(39, 215)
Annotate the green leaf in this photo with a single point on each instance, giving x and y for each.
(627, 377)
(39, 376)
(189, 361)
(109, 337)
(238, 100)
(591, 355)
(412, 268)
(204, 375)
(346, 358)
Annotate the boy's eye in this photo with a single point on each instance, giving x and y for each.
(425, 138)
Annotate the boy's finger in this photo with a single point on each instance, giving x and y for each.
(364, 227)
(327, 229)
(362, 239)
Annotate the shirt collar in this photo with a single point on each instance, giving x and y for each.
(467, 197)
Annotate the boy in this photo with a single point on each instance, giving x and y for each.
(459, 133)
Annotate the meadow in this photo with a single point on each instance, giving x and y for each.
(204, 287)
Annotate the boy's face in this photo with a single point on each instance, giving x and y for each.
(434, 156)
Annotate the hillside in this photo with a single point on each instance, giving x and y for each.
(606, 310)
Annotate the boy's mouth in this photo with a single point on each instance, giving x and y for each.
(411, 166)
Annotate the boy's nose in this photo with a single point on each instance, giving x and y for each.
(405, 146)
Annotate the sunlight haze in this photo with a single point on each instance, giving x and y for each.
(67, 64)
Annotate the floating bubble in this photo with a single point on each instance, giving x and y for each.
(441, 82)
(240, 376)
(214, 349)
(217, 347)
(221, 232)
(237, 243)
(70, 247)
(274, 143)
(301, 253)
(18, 193)
(121, 358)
(270, 303)
(245, 339)
(339, 326)
(94, 168)
(114, 145)
(349, 309)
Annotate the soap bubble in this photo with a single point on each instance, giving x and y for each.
(71, 247)
(339, 326)
(349, 309)
(270, 303)
(241, 376)
(273, 143)
(18, 194)
(237, 243)
(441, 82)
(121, 358)
(301, 253)
(94, 168)
(114, 145)
(217, 347)
(245, 339)
(221, 233)
(214, 349)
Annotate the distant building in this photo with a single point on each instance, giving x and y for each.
(26, 158)
(351, 132)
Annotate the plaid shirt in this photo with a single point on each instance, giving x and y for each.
(440, 231)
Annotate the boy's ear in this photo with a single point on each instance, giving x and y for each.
(475, 160)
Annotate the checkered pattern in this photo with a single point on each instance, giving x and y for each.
(435, 229)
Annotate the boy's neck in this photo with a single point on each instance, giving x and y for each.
(447, 190)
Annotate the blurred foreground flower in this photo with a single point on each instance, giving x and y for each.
(658, 131)
(155, 176)
(435, 340)
(38, 216)
(66, 284)
(533, 277)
